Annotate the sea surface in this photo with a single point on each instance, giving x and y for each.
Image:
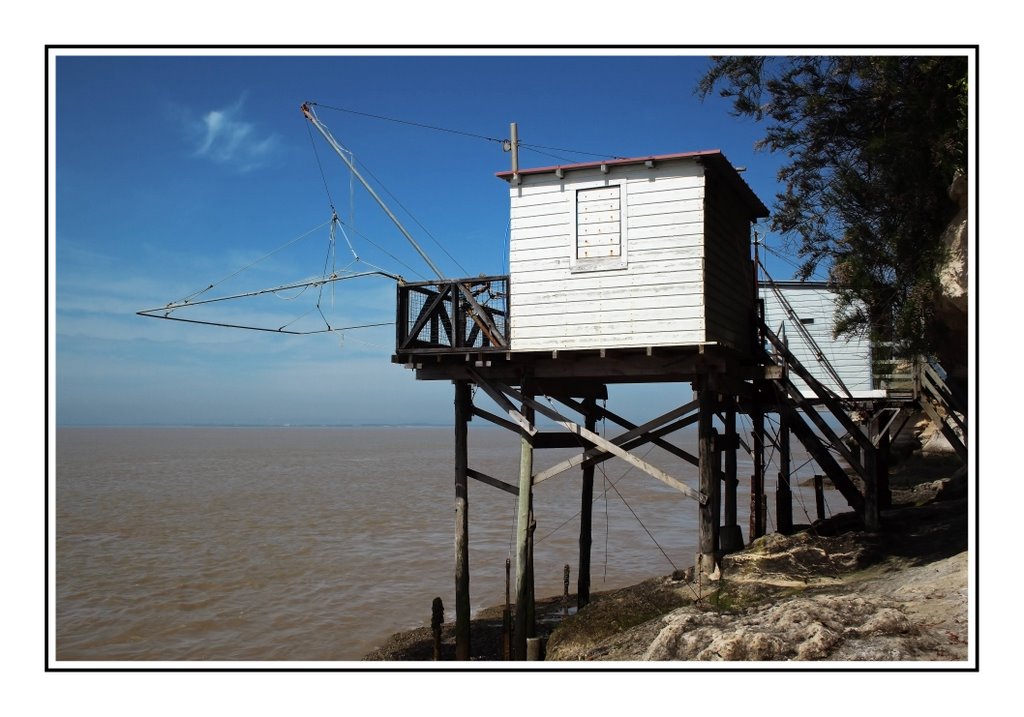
(315, 544)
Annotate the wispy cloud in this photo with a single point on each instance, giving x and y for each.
(226, 137)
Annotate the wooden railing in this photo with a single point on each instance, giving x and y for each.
(453, 316)
(944, 404)
(895, 375)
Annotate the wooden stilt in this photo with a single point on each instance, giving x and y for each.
(730, 466)
(783, 490)
(884, 492)
(758, 504)
(872, 519)
(731, 535)
(586, 514)
(463, 412)
(757, 521)
(524, 596)
(531, 606)
(707, 537)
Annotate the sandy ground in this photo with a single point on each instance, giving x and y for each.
(831, 592)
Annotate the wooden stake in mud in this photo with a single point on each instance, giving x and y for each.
(506, 616)
(436, 623)
(586, 514)
(819, 496)
(524, 515)
(565, 591)
(463, 412)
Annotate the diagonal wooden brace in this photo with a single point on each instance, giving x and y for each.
(619, 420)
(499, 398)
(603, 443)
(619, 440)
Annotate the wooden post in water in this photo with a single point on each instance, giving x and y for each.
(586, 514)
(707, 525)
(436, 624)
(524, 516)
(783, 491)
(506, 616)
(565, 591)
(463, 412)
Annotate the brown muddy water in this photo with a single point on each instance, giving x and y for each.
(315, 544)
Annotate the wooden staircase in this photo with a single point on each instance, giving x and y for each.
(865, 445)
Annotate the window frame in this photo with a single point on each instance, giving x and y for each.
(578, 265)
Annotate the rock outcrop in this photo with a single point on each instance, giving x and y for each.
(951, 303)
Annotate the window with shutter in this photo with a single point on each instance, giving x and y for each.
(598, 223)
(599, 229)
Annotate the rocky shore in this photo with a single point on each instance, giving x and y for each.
(828, 592)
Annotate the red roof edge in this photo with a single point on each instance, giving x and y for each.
(507, 174)
(716, 159)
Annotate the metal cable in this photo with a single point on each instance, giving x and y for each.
(407, 122)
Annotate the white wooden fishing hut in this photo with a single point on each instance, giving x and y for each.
(621, 271)
(637, 271)
(804, 315)
(631, 271)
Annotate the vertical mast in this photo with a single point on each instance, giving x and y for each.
(514, 134)
(308, 112)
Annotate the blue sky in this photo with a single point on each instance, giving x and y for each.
(173, 172)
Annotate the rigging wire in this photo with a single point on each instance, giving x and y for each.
(382, 249)
(646, 530)
(504, 258)
(546, 154)
(412, 216)
(536, 147)
(612, 484)
(199, 292)
(474, 135)
(323, 175)
(407, 122)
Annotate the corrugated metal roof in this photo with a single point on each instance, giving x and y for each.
(713, 158)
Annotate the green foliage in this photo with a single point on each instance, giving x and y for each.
(873, 144)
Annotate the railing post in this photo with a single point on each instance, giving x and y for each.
(402, 319)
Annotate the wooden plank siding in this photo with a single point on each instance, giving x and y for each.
(728, 270)
(562, 297)
(850, 357)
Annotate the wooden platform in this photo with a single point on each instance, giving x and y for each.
(650, 365)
